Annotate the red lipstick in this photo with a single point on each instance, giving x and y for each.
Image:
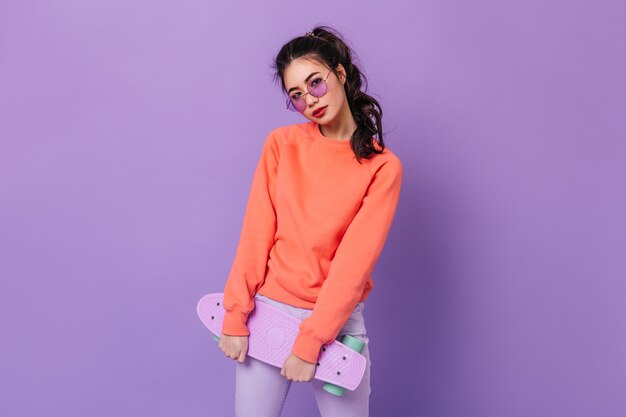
(320, 112)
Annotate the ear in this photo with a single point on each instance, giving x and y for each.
(342, 73)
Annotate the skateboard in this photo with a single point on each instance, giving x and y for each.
(272, 333)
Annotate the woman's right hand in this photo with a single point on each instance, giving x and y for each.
(235, 347)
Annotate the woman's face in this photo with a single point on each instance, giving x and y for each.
(299, 74)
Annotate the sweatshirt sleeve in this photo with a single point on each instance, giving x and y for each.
(353, 262)
(256, 240)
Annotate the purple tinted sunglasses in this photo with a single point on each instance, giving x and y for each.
(317, 87)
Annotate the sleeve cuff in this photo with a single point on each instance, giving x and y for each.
(307, 347)
(235, 323)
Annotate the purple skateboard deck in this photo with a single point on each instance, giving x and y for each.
(272, 333)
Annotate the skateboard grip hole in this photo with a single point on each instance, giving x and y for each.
(212, 317)
(344, 358)
(318, 364)
(338, 372)
(323, 349)
(218, 303)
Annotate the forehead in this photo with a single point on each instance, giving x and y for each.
(299, 69)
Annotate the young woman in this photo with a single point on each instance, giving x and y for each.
(322, 201)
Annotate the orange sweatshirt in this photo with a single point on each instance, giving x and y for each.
(315, 224)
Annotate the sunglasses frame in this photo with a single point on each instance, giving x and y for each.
(307, 92)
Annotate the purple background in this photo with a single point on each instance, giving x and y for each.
(130, 131)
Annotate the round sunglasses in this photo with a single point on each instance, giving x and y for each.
(317, 87)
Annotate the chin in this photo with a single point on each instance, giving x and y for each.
(328, 118)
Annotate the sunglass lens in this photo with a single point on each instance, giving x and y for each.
(318, 87)
(298, 105)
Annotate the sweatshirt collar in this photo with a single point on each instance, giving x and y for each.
(317, 135)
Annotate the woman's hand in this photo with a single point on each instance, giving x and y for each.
(296, 369)
(235, 347)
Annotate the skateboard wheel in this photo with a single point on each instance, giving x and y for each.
(334, 389)
(217, 339)
(354, 344)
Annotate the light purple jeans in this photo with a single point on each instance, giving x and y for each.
(261, 391)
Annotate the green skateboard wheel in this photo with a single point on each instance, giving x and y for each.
(217, 339)
(334, 389)
(354, 344)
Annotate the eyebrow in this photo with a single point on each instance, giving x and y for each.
(305, 81)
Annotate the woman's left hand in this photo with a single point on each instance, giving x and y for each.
(296, 369)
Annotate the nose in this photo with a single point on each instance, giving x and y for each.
(311, 99)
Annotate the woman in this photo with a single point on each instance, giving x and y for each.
(322, 201)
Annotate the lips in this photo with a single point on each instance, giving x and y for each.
(319, 111)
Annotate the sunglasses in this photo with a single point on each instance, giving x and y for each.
(317, 87)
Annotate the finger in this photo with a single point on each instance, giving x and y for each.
(242, 356)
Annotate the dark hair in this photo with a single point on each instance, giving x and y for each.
(328, 47)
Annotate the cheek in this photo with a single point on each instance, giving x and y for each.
(338, 94)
